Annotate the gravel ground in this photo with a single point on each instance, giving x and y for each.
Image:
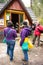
(35, 55)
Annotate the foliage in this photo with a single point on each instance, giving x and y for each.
(2, 1)
(41, 21)
(37, 7)
(41, 1)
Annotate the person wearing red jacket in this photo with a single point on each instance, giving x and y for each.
(37, 32)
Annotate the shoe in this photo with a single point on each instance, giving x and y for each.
(24, 60)
(25, 63)
(11, 59)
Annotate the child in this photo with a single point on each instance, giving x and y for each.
(25, 32)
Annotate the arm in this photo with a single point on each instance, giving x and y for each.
(22, 35)
(4, 33)
(14, 33)
(22, 40)
(40, 29)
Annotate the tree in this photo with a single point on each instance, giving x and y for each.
(41, 1)
(2, 1)
(37, 7)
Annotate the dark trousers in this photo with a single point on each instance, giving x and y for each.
(10, 50)
(38, 39)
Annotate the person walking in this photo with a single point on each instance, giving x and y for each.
(10, 34)
(25, 32)
(37, 33)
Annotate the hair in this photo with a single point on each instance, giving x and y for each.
(25, 23)
(9, 24)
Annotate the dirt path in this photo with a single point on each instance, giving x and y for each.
(35, 55)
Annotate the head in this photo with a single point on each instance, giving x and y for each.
(9, 24)
(25, 24)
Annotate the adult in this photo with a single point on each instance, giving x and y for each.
(10, 34)
(37, 32)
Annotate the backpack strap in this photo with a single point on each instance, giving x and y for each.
(8, 32)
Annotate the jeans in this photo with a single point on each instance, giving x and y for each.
(25, 55)
(10, 50)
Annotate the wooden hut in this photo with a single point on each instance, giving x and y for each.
(15, 11)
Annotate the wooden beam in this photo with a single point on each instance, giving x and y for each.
(5, 18)
(17, 12)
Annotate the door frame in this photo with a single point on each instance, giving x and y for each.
(15, 12)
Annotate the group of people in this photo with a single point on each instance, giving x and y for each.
(10, 34)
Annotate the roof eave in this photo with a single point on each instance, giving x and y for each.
(5, 7)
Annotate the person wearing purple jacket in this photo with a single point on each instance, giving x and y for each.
(25, 32)
(10, 38)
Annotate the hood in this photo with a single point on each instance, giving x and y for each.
(28, 31)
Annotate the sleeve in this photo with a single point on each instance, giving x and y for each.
(22, 38)
(4, 33)
(15, 33)
(40, 29)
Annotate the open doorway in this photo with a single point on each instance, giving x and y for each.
(15, 20)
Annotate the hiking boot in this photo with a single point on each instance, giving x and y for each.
(24, 60)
